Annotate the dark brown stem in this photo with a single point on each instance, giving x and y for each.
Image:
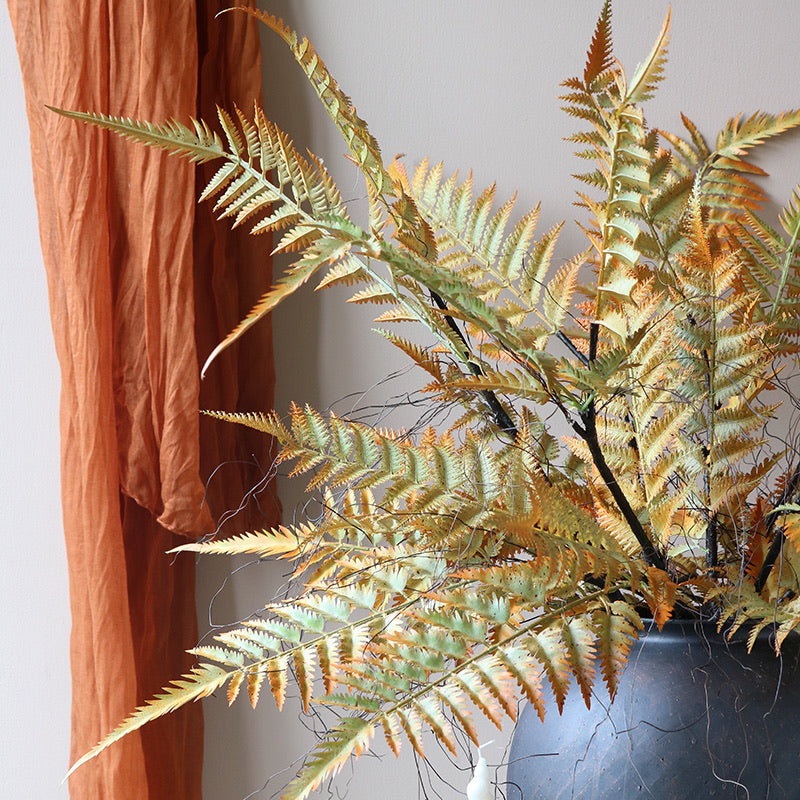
(711, 542)
(594, 332)
(565, 340)
(589, 433)
(501, 417)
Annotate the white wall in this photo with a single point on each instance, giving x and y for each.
(469, 81)
(34, 658)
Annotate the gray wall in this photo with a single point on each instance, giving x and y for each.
(471, 82)
(34, 659)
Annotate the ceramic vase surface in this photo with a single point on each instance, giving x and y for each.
(695, 717)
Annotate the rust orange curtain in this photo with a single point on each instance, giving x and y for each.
(140, 286)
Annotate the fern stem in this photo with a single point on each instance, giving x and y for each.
(501, 418)
(594, 330)
(711, 539)
(589, 435)
(784, 272)
(570, 345)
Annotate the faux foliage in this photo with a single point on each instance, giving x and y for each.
(452, 572)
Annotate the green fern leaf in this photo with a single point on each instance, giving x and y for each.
(198, 143)
(790, 215)
(222, 655)
(362, 144)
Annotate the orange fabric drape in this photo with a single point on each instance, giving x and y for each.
(137, 289)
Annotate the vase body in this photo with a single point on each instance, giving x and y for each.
(695, 717)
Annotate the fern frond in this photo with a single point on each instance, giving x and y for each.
(300, 201)
(350, 735)
(198, 143)
(538, 265)
(737, 137)
(651, 71)
(324, 252)
(579, 646)
(281, 542)
(363, 146)
(468, 233)
(600, 56)
(199, 683)
(615, 628)
(447, 573)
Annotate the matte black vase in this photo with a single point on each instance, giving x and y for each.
(695, 717)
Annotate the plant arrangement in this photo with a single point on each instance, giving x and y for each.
(453, 571)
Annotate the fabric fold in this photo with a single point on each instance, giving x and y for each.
(137, 285)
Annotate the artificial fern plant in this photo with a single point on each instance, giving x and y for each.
(455, 570)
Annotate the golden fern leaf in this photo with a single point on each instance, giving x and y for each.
(559, 291)
(343, 273)
(281, 542)
(518, 383)
(580, 649)
(533, 279)
(666, 508)
(737, 137)
(350, 735)
(422, 356)
(304, 674)
(255, 680)
(660, 594)
(546, 647)
(615, 629)
(234, 687)
(325, 252)
(651, 71)
(658, 432)
(199, 683)
(521, 666)
(512, 256)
